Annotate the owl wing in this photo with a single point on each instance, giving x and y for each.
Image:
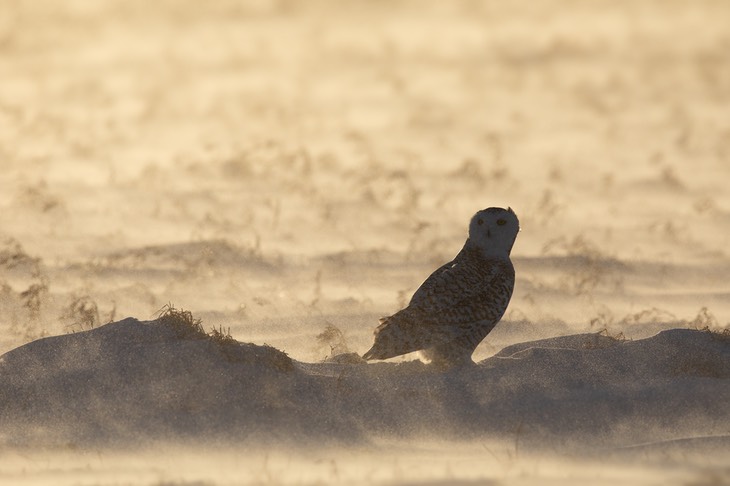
(454, 296)
(454, 283)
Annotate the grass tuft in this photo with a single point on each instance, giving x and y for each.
(82, 312)
(706, 321)
(188, 327)
(221, 337)
(334, 338)
(603, 339)
(722, 335)
(616, 337)
(182, 322)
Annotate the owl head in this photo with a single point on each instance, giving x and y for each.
(494, 230)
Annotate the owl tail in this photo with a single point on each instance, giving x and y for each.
(384, 343)
(393, 337)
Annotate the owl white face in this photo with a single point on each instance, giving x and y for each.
(494, 230)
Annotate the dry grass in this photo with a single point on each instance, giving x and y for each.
(588, 267)
(33, 299)
(722, 335)
(333, 338)
(220, 336)
(603, 339)
(83, 312)
(182, 322)
(704, 320)
(187, 326)
(707, 322)
(619, 337)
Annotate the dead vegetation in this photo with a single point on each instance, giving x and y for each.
(703, 321)
(722, 335)
(186, 326)
(39, 198)
(333, 338)
(587, 266)
(83, 312)
(25, 270)
(182, 322)
(707, 322)
(604, 338)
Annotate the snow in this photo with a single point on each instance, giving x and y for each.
(133, 384)
(292, 171)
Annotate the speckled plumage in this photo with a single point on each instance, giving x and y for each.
(461, 302)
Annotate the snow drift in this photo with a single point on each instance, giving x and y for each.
(131, 382)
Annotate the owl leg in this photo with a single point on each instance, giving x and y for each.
(457, 351)
(450, 354)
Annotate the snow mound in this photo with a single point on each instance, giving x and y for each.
(130, 381)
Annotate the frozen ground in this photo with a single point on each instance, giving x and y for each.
(292, 171)
(581, 399)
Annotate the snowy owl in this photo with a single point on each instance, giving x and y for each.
(461, 302)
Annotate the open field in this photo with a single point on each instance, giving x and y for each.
(290, 171)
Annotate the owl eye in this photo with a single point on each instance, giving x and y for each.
(501, 222)
(480, 221)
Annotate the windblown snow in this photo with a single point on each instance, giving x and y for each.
(289, 172)
(131, 382)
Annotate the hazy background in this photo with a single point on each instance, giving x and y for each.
(276, 167)
(282, 168)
